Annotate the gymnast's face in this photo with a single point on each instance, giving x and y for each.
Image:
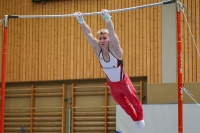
(104, 40)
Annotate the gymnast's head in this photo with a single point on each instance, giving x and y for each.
(103, 38)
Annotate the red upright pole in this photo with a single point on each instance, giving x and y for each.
(180, 82)
(3, 78)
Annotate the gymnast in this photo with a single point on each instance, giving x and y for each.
(109, 52)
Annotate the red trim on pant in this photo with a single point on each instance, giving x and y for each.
(125, 95)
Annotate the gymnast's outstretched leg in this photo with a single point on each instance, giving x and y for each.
(125, 95)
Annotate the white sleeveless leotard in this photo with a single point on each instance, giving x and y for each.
(112, 68)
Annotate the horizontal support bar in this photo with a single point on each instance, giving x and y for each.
(47, 108)
(88, 107)
(92, 13)
(28, 89)
(89, 87)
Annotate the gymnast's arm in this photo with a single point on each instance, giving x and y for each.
(114, 40)
(88, 33)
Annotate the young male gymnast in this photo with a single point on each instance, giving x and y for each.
(109, 52)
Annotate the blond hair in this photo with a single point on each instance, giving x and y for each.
(102, 31)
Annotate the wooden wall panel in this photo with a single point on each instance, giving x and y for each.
(56, 48)
(197, 37)
(130, 41)
(141, 45)
(148, 44)
(194, 52)
(51, 42)
(144, 39)
(2, 8)
(159, 40)
(190, 60)
(191, 57)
